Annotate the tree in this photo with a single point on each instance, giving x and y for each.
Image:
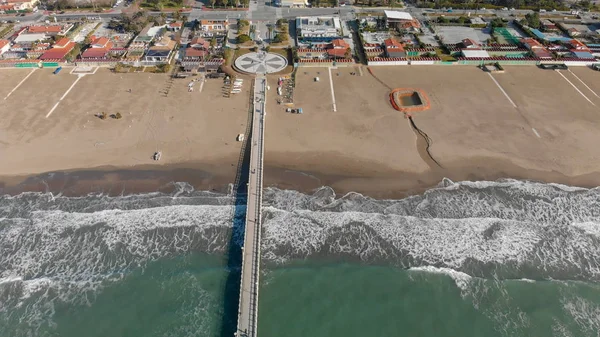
(242, 23)
(213, 42)
(533, 20)
(212, 3)
(72, 55)
(243, 38)
(498, 22)
(347, 53)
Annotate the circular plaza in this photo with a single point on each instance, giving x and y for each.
(260, 63)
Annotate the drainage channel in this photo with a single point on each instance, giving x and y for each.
(426, 138)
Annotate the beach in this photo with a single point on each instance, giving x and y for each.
(154, 238)
(526, 123)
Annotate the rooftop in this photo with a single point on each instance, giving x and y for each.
(397, 15)
(44, 29)
(475, 53)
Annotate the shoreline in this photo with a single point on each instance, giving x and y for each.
(381, 183)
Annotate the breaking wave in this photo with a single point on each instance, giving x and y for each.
(506, 229)
(67, 248)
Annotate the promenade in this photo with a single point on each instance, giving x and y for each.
(248, 307)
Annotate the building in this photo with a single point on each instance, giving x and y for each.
(175, 26)
(393, 48)
(4, 46)
(99, 49)
(318, 28)
(312, 53)
(292, 3)
(59, 50)
(477, 21)
(470, 44)
(474, 53)
(157, 56)
(36, 50)
(576, 45)
(161, 52)
(549, 26)
(573, 32)
(19, 5)
(199, 43)
(50, 30)
(194, 55)
(213, 25)
(339, 49)
(537, 49)
(401, 20)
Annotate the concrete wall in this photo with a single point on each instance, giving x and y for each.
(387, 63)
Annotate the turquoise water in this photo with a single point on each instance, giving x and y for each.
(454, 261)
(184, 297)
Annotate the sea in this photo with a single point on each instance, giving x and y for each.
(481, 259)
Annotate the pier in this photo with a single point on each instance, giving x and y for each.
(248, 305)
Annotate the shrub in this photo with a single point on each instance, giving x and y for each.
(243, 38)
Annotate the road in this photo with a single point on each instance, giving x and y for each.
(260, 11)
(248, 307)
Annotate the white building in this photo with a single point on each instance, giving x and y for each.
(293, 3)
(4, 46)
(318, 28)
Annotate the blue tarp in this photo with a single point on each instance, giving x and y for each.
(539, 34)
(583, 55)
(543, 36)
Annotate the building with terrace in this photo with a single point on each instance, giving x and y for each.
(318, 29)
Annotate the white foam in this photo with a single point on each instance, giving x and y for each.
(505, 222)
(585, 313)
(461, 279)
(526, 280)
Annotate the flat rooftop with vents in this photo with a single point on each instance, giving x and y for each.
(318, 28)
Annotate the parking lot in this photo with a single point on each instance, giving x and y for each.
(87, 28)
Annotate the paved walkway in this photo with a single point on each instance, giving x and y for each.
(248, 308)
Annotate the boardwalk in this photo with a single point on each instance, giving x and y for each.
(248, 309)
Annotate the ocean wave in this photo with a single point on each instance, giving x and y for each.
(53, 246)
(462, 280)
(56, 249)
(507, 229)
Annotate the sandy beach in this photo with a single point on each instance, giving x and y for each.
(527, 124)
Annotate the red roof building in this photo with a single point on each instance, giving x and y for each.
(99, 48)
(393, 48)
(51, 30)
(469, 43)
(4, 46)
(338, 49)
(59, 50)
(577, 45)
(199, 43)
(339, 44)
(192, 54)
(101, 42)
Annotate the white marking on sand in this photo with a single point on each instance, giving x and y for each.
(573, 85)
(502, 89)
(332, 93)
(582, 82)
(536, 133)
(18, 85)
(201, 85)
(65, 95)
